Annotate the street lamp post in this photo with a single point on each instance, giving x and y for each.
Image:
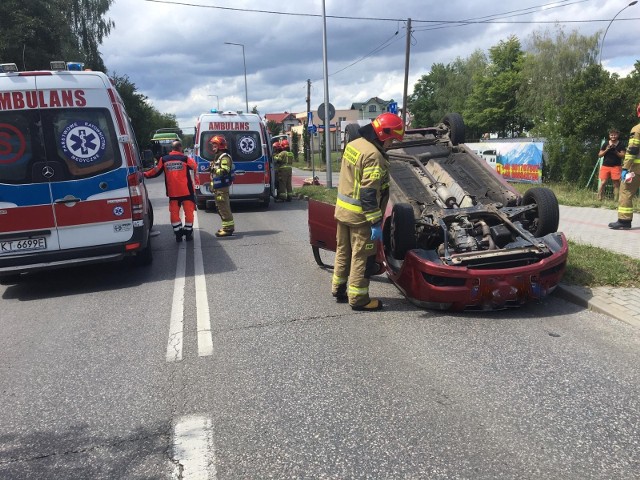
(605, 32)
(246, 93)
(217, 100)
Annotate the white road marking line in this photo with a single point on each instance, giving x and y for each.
(176, 325)
(205, 340)
(193, 451)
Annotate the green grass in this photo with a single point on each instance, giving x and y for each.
(587, 265)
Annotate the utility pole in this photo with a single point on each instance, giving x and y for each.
(307, 133)
(406, 74)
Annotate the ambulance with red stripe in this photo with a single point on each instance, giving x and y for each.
(71, 183)
(247, 138)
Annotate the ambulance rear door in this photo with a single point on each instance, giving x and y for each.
(89, 188)
(27, 220)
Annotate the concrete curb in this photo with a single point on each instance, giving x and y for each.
(584, 297)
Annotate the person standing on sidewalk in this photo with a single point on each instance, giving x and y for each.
(612, 154)
(221, 169)
(363, 193)
(177, 169)
(630, 178)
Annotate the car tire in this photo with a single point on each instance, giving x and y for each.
(403, 230)
(456, 127)
(544, 219)
(351, 132)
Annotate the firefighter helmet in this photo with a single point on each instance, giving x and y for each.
(284, 144)
(388, 125)
(220, 141)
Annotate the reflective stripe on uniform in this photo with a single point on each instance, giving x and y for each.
(339, 280)
(625, 210)
(353, 291)
(347, 206)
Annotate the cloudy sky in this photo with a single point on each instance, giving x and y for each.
(175, 52)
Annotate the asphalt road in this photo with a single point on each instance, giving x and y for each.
(245, 368)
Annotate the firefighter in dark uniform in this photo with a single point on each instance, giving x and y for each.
(177, 169)
(221, 169)
(363, 193)
(630, 179)
(284, 160)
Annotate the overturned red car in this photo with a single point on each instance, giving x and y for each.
(456, 235)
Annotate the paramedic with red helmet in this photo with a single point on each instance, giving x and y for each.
(363, 193)
(630, 178)
(221, 169)
(177, 169)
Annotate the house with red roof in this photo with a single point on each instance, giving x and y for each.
(285, 120)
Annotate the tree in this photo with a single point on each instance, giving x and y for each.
(492, 105)
(551, 61)
(295, 145)
(444, 89)
(274, 127)
(145, 119)
(33, 33)
(88, 27)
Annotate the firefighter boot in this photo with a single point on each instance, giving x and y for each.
(188, 235)
(179, 234)
(224, 233)
(341, 294)
(373, 305)
(620, 225)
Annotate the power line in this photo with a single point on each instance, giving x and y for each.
(382, 19)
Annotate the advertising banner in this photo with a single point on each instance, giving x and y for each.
(515, 161)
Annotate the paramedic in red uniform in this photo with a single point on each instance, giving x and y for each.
(177, 169)
(221, 169)
(363, 193)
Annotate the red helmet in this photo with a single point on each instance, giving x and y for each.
(220, 141)
(277, 146)
(638, 110)
(388, 125)
(284, 144)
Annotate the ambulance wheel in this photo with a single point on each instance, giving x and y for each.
(264, 203)
(144, 257)
(150, 216)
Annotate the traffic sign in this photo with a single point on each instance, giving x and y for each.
(312, 128)
(393, 107)
(331, 111)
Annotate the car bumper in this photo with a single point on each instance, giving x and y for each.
(433, 285)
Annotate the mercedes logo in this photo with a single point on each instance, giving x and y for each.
(48, 172)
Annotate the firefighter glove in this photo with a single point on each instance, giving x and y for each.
(376, 231)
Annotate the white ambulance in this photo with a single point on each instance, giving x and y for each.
(248, 142)
(71, 183)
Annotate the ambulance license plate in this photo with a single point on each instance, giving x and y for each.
(23, 245)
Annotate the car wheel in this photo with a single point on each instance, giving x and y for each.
(544, 219)
(351, 132)
(456, 127)
(403, 230)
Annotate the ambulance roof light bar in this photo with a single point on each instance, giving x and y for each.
(8, 67)
(60, 65)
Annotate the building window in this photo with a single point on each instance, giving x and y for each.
(342, 119)
(372, 109)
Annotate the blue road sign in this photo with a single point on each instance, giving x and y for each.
(312, 128)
